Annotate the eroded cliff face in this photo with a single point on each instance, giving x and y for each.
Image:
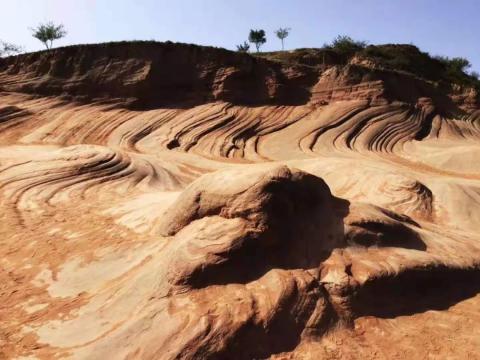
(164, 201)
(160, 74)
(157, 74)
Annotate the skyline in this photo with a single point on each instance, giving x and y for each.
(437, 27)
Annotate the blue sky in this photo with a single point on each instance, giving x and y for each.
(441, 27)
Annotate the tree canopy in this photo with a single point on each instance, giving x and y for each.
(49, 32)
(258, 38)
(282, 34)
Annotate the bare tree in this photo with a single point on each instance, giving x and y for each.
(282, 34)
(48, 32)
(7, 49)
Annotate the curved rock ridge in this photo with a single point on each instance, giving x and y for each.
(170, 201)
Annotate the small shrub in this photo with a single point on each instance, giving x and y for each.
(7, 49)
(243, 47)
(346, 46)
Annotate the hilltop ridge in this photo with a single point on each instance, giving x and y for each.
(152, 73)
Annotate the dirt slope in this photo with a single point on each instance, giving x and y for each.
(164, 201)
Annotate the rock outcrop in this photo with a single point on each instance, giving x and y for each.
(170, 201)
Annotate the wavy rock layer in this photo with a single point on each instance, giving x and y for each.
(166, 201)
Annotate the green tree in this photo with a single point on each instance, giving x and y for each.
(258, 38)
(48, 32)
(7, 49)
(243, 47)
(282, 33)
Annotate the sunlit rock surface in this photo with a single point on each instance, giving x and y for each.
(167, 201)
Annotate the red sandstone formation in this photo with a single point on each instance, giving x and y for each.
(169, 201)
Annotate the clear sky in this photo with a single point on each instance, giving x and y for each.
(441, 27)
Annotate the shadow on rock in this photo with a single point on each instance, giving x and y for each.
(289, 220)
(368, 225)
(416, 291)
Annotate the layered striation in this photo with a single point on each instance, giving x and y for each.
(170, 201)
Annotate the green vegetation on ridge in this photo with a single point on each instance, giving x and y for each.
(342, 50)
(396, 57)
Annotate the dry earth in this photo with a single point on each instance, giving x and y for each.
(164, 201)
